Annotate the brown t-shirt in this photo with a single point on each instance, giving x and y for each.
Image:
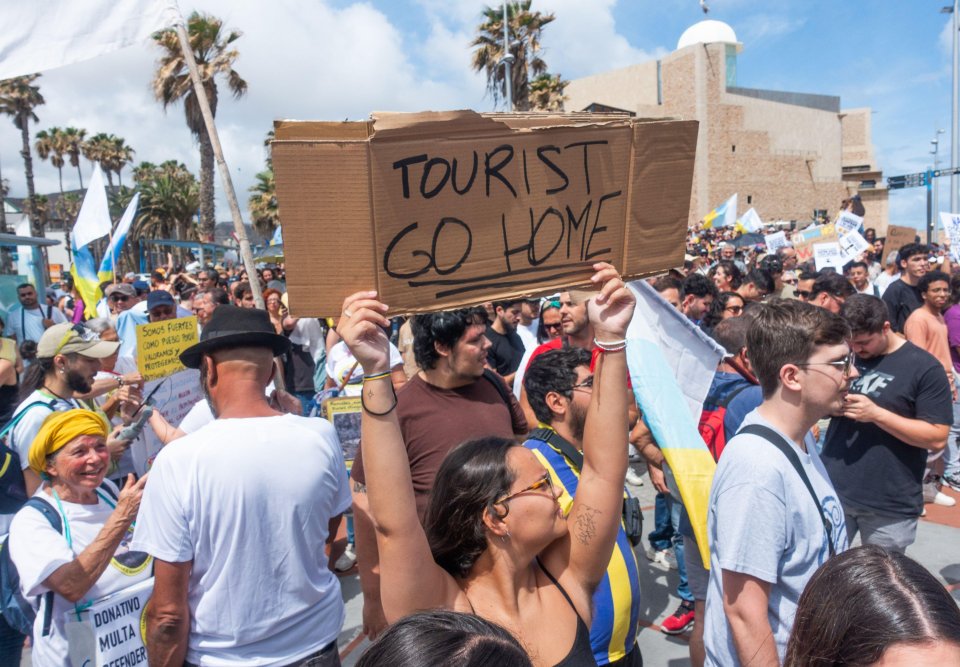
(929, 332)
(433, 421)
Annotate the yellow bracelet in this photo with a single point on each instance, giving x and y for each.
(378, 376)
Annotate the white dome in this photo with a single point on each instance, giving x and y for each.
(707, 32)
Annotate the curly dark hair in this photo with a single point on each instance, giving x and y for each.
(444, 328)
(555, 370)
(473, 476)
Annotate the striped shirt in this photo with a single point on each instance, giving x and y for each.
(616, 602)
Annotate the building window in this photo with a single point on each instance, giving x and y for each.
(733, 149)
(749, 199)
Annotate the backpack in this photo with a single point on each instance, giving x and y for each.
(711, 422)
(18, 612)
(13, 491)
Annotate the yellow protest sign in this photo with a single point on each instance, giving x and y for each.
(159, 345)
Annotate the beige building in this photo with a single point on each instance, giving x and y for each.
(785, 154)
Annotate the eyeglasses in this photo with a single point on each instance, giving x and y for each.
(586, 384)
(119, 297)
(736, 310)
(803, 294)
(83, 333)
(790, 281)
(557, 325)
(844, 365)
(545, 481)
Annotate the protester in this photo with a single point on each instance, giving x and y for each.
(926, 327)
(27, 320)
(767, 534)
(903, 296)
(805, 282)
(445, 639)
(699, 293)
(859, 276)
(726, 276)
(559, 386)
(870, 606)
(951, 459)
(285, 500)
(496, 540)
(206, 302)
(529, 323)
(756, 285)
(243, 295)
(90, 556)
(161, 306)
(506, 346)
(120, 297)
(890, 273)
(829, 291)
(451, 399)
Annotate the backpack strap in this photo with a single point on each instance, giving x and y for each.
(728, 399)
(13, 422)
(551, 437)
(50, 514)
(788, 451)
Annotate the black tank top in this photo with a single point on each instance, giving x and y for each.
(581, 653)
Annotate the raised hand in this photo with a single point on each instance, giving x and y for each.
(361, 327)
(610, 311)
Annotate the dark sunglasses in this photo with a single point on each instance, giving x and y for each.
(119, 297)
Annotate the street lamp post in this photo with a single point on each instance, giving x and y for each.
(955, 118)
(507, 58)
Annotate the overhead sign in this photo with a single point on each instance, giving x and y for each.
(445, 209)
(159, 345)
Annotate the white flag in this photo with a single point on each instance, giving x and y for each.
(93, 221)
(43, 34)
(751, 221)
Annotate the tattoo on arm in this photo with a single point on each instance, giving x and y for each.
(359, 488)
(585, 526)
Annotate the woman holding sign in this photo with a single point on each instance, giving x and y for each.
(497, 543)
(69, 543)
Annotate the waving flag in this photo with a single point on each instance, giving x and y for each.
(671, 363)
(750, 222)
(119, 236)
(93, 221)
(85, 279)
(724, 215)
(277, 236)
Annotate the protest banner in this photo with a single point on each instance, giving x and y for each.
(848, 222)
(852, 245)
(897, 237)
(803, 240)
(775, 241)
(445, 209)
(827, 255)
(159, 345)
(951, 229)
(110, 632)
(176, 396)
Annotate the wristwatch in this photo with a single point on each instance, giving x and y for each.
(119, 381)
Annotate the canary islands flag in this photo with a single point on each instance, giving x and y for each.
(119, 237)
(672, 363)
(724, 215)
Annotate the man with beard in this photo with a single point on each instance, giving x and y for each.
(206, 485)
(506, 346)
(68, 358)
(28, 320)
(451, 399)
(559, 384)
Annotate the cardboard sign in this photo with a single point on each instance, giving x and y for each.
(344, 413)
(173, 400)
(446, 209)
(848, 222)
(827, 254)
(852, 244)
(803, 240)
(159, 345)
(951, 229)
(897, 237)
(111, 631)
(775, 241)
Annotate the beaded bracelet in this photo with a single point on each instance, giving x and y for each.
(610, 345)
(378, 376)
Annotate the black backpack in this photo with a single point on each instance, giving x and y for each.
(16, 610)
(13, 491)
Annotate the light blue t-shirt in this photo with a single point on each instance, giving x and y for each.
(762, 522)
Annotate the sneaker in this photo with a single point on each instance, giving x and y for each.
(662, 557)
(944, 500)
(347, 559)
(681, 621)
(953, 481)
(634, 478)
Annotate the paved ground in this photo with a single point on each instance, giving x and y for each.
(937, 548)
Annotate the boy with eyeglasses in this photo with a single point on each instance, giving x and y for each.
(897, 410)
(773, 516)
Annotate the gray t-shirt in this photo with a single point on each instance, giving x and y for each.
(762, 522)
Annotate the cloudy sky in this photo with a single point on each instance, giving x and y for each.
(336, 59)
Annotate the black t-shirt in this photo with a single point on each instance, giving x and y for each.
(871, 468)
(901, 299)
(507, 351)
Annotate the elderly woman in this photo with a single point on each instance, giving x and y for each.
(89, 558)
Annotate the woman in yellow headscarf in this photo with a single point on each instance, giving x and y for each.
(89, 557)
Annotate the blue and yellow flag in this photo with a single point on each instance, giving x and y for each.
(724, 215)
(86, 280)
(119, 237)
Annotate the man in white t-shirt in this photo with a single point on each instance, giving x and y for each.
(28, 320)
(236, 516)
(767, 533)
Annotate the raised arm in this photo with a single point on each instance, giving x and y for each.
(595, 517)
(411, 580)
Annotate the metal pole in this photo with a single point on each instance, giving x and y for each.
(955, 134)
(246, 253)
(508, 57)
(929, 206)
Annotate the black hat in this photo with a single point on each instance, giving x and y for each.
(230, 326)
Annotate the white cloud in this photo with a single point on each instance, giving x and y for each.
(760, 28)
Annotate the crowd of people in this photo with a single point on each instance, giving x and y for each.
(491, 511)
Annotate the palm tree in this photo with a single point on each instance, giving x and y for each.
(73, 138)
(169, 197)
(211, 48)
(4, 191)
(111, 152)
(52, 145)
(119, 155)
(524, 28)
(95, 149)
(68, 207)
(546, 93)
(264, 212)
(18, 98)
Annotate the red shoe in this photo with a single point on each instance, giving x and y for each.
(681, 621)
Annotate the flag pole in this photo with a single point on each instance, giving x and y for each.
(246, 253)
